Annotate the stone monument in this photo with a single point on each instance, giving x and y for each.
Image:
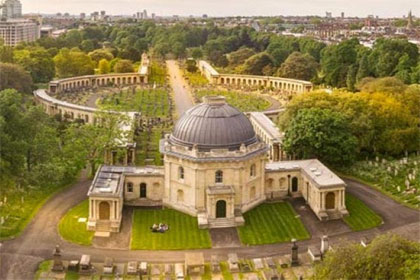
(58, 264)
(295, 258)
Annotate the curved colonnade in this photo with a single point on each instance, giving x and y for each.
(284, 85)
(53, 106)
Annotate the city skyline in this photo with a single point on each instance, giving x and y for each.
(216, 8)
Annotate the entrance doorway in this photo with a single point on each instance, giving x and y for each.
(294, 184)
(104, 210)
(330, 200)
(143, 190)
(221, 209)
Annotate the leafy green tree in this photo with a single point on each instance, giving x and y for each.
(70, 63)
(99, 54)
(6, 54)
(123, 66)
(87, 45)
(387, 257)
(336, 61)
(15, 77)
(238, 57)
(386, 55)
(299, 66)
(73, 38)
(196, 53)
(104, 67)
(363, 71)
(389, 85)
(323, 134)
(38, 62)
(351, 78)
(256, 63)
(88, 143)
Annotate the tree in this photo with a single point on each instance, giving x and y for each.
(389, 85)
(238, 57)
(87, 45)
(387, 257)
(191, 66)
(298, 66)
(99, 54)
(323, 134)
(256, 63)
(38, 62)
(88, 143)
(336, 61)
(15, 77)
(73, 62)
(386, 55)
(123, 66)
(196, 53)
(104, 66)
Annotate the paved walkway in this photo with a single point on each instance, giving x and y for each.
(181, 90)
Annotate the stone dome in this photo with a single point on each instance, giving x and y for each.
(213, 124)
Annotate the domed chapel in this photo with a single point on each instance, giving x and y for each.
(218, 164)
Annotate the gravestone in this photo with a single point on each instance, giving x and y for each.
(324, 244)
(58, 264)
(294, 258)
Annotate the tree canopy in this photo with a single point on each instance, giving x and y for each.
(386, 257)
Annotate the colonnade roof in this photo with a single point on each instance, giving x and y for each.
(313, 168)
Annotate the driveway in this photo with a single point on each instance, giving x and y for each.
(181, 90)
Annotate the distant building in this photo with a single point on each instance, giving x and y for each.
(205, 16)
(11, 9)
(15, 31)
(144, 14)
(82, 15)
(342, 14)
(328, 14)
(410, 24)
(46, 31)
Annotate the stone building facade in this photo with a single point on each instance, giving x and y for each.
(215, 168)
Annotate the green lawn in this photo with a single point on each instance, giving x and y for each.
(71, 230)
(150, 102)
(361, 217)
(272, 223)
(195, 79)
(183, 231)
(246, 102)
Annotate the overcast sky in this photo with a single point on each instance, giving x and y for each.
(361, 8)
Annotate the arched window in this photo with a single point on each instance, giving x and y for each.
(129, 187)
(219, 176)
(253, 171)
(180, 196)
(181, 172)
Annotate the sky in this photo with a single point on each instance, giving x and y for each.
(360, 8)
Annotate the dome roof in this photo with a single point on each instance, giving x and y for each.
(213, 124)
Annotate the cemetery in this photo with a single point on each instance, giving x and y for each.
(398, 178)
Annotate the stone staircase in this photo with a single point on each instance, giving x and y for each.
(335, 215)
(222, 222)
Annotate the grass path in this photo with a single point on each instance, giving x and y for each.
(361, 217)
(272, 223)
(183, 231)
